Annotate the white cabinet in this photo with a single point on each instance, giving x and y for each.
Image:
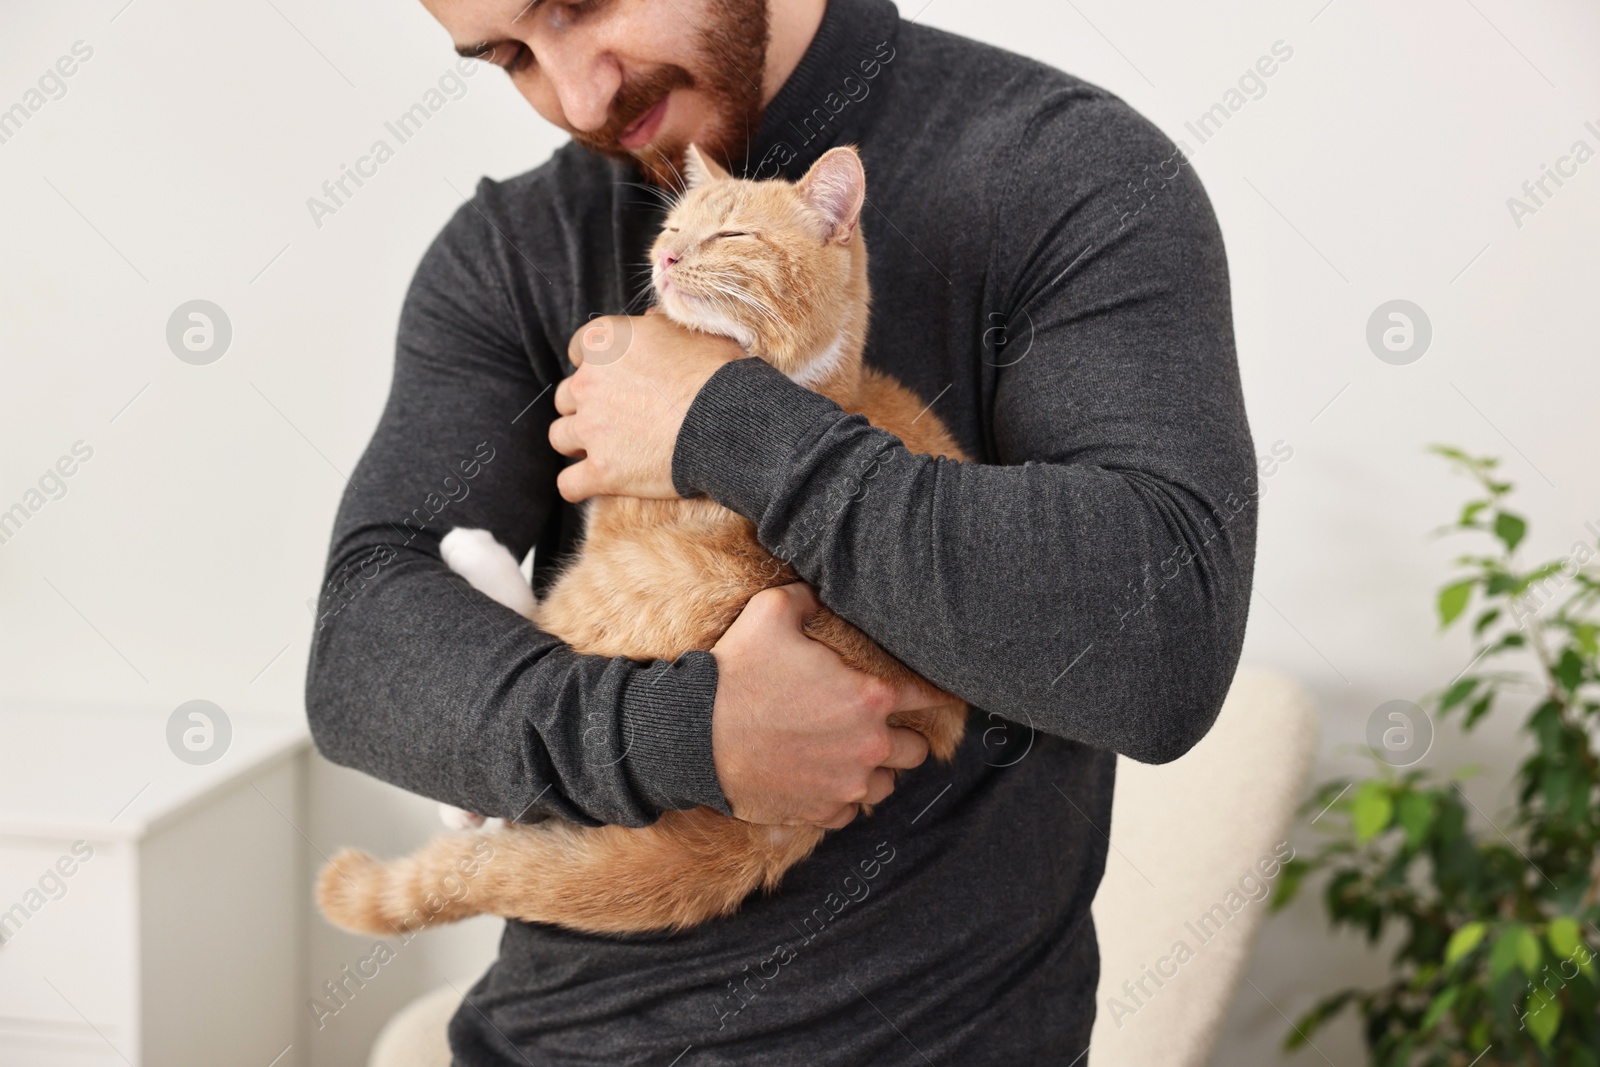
(153, 911)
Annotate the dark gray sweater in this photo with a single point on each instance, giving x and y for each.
(1049, 276)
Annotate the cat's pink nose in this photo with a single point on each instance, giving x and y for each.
(667, 259)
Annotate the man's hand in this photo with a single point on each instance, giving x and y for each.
(797, 736)
(622, 408)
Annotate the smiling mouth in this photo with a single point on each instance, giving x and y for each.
(642, 130)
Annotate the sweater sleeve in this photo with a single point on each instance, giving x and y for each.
(1092, 577)
(418, 679)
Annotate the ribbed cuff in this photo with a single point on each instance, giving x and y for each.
(666, 720)
(741, 434)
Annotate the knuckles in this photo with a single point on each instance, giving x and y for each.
(875, 751)
(767, 606)
(877, 697)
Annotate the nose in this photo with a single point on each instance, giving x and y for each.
(585, 83)
(667, 259)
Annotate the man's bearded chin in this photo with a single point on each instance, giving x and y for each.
(728, 75)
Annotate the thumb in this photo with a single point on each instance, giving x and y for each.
(800, 600)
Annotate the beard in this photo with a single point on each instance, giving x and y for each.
(727, 72)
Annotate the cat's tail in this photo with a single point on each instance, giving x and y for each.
(686, 868)
(433, 885)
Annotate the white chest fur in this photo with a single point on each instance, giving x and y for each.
(820, 369)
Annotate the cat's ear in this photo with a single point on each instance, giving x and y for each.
(700, 169)
(836, 187)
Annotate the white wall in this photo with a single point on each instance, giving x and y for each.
(178, 163)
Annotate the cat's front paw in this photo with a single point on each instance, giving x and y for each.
(468, 552)
(489, 567)
(457, 819)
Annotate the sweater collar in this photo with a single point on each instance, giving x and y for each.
(834, 92)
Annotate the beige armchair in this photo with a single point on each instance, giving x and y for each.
(1195, 845)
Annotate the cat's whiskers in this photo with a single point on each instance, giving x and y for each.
(740, 282)
(666, 196)
(749, 300)
(682, 182)
(641, 299)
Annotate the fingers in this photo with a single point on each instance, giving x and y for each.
(796, 601)
(918, 695)
(576, 344)
(564, 438)
(845, 817)
(879, 786)
(575, 484)
(565, 404)
(907, 749)
(801, 600)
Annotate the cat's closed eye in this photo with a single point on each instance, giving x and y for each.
(729, 233)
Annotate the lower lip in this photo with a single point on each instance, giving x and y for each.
(644, 130)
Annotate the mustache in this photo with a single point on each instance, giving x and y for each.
(636, 96)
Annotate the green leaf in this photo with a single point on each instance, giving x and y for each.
(1415, 815)
(1371, 810)
(1457, 693)
(1569, 670)
(1508, 951)
(1308, 1024)
(1503, 956)
(1441, 1004)
(1345, 898)
(1500, 582)
(1537, 575)
(1566, 939)
(1543, 1018)
(1485, 621)
(1463, 941)
(1546, 724)
(1450, 452)
(1511, 529)
(1288, 886)
(1529, 952)
(1563, 936)
(1479, 709)
(1469, 514)
(1453, 600)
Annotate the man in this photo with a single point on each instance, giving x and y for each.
(1050, 278)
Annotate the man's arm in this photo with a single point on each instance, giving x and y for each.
(1095, 580)
(418, 679)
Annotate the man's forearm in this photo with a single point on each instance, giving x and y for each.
(418, 679)
(1104, 606)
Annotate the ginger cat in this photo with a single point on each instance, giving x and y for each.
(782, 269)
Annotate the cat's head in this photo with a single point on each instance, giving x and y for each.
(778, 266)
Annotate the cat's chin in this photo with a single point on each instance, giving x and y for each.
(695, 314)
(692, 312)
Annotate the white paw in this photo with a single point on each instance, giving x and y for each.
(456, 819)
(489, 567)
(467, 551)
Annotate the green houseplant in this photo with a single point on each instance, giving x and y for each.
(1498, 911)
